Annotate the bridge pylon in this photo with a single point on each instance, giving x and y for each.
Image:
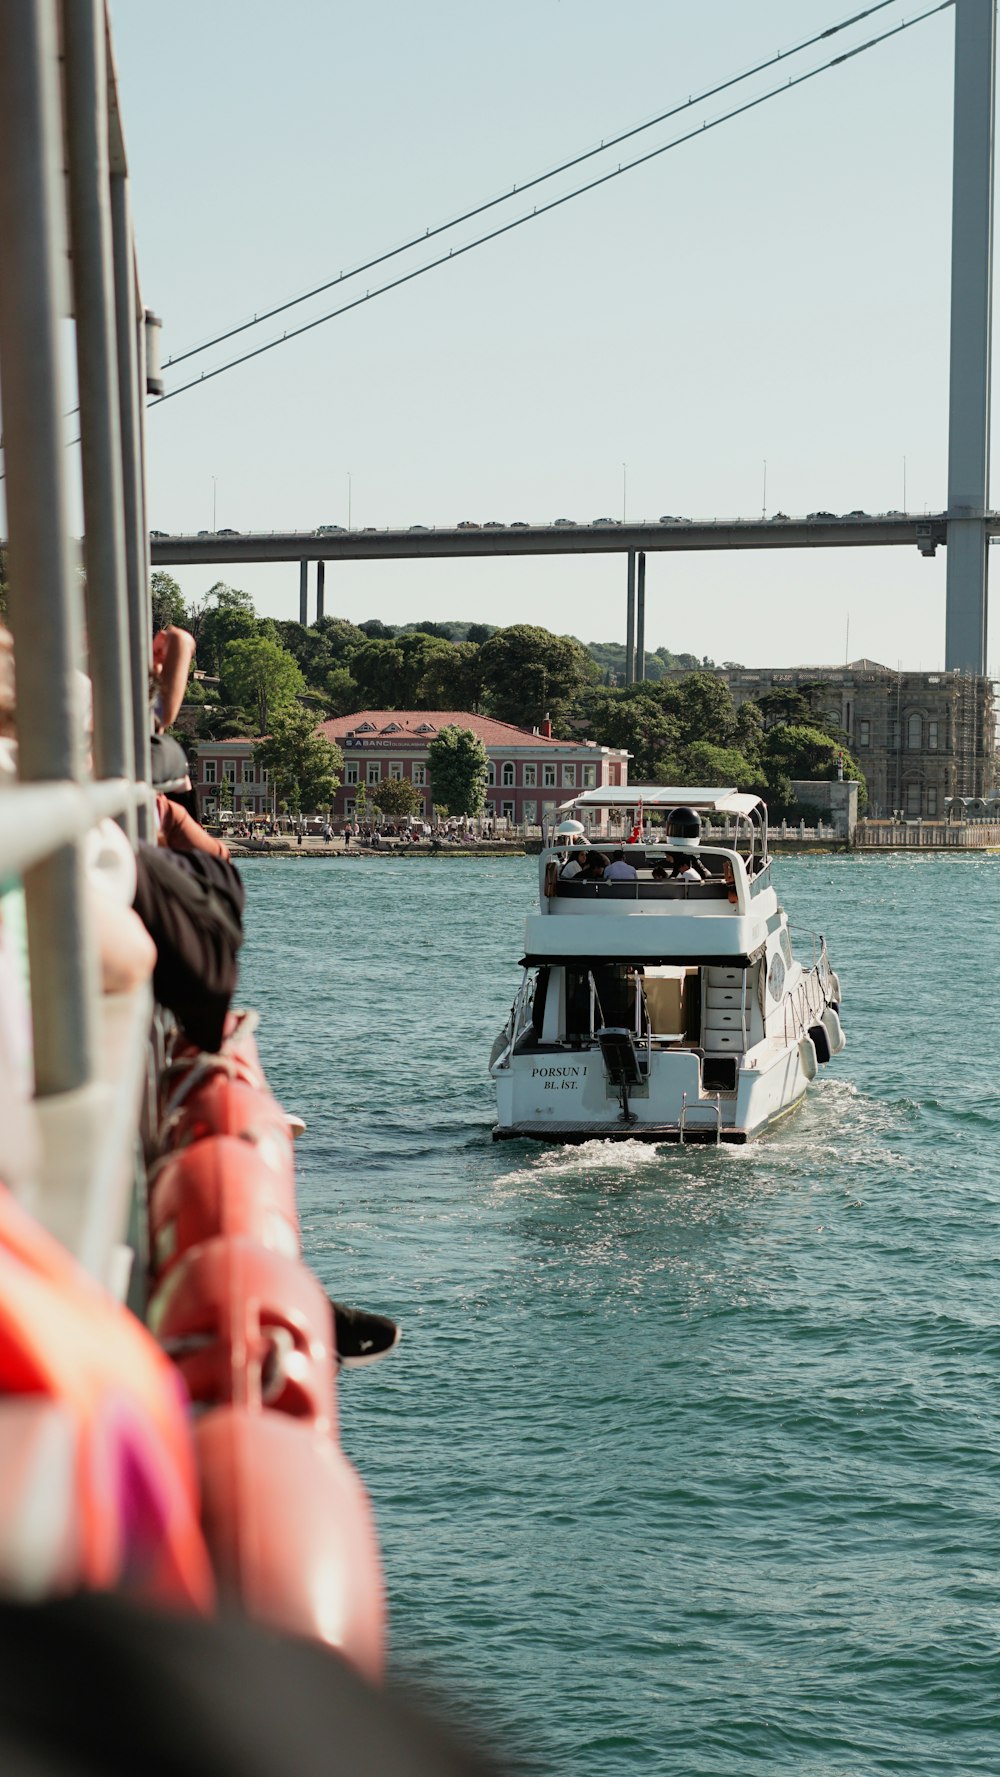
(971, 303)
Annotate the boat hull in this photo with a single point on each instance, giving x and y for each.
(532, 1094)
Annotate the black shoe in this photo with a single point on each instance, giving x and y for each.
(362, 1338)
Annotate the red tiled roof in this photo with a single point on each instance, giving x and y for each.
(491, 733)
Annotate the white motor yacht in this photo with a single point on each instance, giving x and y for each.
(663, 1004)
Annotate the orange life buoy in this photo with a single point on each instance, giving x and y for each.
(729, 876)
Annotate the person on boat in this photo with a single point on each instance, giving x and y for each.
(684, 869)
(619, 869)
(594, 866)
(660, 873)
(574, 864)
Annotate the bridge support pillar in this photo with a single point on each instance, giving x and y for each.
(303, 592)
(971, 294)
(320, 590)
(630, 622)
(640, 620)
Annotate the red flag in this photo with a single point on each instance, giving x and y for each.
(635, 837)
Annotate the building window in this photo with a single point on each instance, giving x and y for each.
(395, 770)
(529, 811)
(913, 799)
(569, 775)
(263, 774)
(932, 793)
(374, 771)
(549, 778)
(420, 774)
(590, 777)
(248, 773)
(530, 776)
(864, 734)
(491, 775)
(914, 733)
(507, 778)
(351, 773)
(210, 805)
(350, 808)
(508, 811)
(209, 771)
(229, 770)
(932, 738)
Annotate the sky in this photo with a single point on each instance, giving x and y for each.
(775, 290)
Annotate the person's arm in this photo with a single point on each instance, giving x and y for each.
(173, 652)
(179, 831)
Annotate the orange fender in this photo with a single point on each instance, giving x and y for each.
(290, 1529)
(116, 1407)
(249, 1327)
(220, 1186)
(219, 1105)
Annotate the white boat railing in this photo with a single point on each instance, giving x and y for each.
(59, 110)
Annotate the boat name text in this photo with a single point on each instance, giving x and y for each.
(559, 1079)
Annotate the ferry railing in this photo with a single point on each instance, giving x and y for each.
(89, 1052)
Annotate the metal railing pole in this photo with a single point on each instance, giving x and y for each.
(44, 599)
(97, 371)
(136, 541)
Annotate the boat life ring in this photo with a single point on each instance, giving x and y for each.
(830, 1021)
(551, 878)
(820, 1041)
(729, 877)
(807, 1057)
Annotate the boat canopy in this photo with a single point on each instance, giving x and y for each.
(730, 801)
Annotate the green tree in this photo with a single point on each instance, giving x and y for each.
(451, 681)
(640, 719)
(259, 677)
(341, 696)
(459, 769)
(705, 710)
(388, 673)
(167, 601)
(711, 767)
(749, 735)
(793, 750)
(396, 797)
(528, 673)
(226, 792)
(301, 763)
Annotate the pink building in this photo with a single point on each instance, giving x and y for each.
(230, 761)
(530, 773)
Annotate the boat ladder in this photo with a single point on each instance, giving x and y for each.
(716, 1100)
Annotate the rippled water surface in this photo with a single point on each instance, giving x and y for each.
(688, 1462)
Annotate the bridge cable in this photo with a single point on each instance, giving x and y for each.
(555, 204)
(566, 166)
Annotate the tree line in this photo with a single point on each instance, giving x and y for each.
(280, 679)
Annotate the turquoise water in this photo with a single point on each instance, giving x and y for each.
(688, 1462)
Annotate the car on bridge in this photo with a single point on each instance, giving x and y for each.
(565, 523)
(326, 530)
(779, 518)
(603, 523)
(159, 533)
(228, 533)
(817, 517)
(857, 514)
(518, 524)
(668, 518)
(493, 524)
(418, 527)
